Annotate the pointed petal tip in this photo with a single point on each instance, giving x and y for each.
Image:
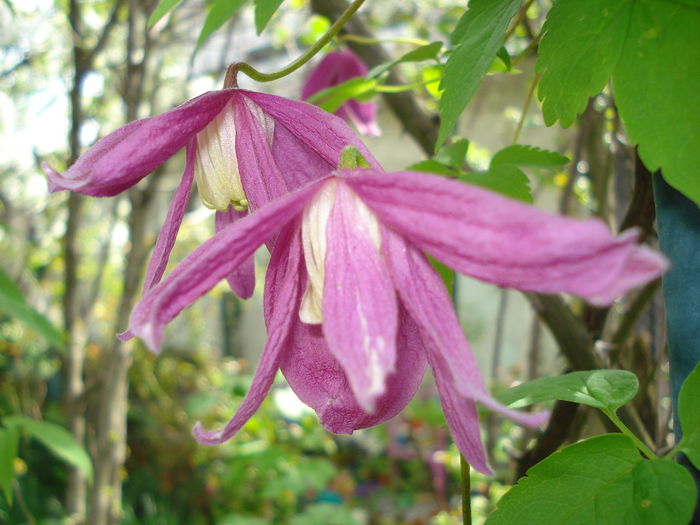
(207, 437)
(52, 176)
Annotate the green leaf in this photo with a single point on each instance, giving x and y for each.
(163, 7)
(13, 303)
(9, 440)
(503, 55)
(332, 98)
(264, 9)
(580, 46)
(480, 33)
(426, 52)
(604, 389)
(221, 11)
(521, 155)
(689, 416)
(505, 179)
(56, 438)
(433, 166)
(454, 154)
(600, 480)
(656, 84)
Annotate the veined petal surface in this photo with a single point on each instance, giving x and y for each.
(211, 262)
(122, 158)
(359, 303)
(242, 280)
(498, 240)
(283, 276)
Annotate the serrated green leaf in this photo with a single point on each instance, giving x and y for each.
(332, 98)
(454, 154)
(599, 480)
(580, 46)
(522, 155)
(264, 9)
(689, 416)
(56, 438)
(426, 52)
(12, 302)
(505, 179)
(433, 166)
(604, 389)
(656, 83)
(481, 33)
(9, 439)
(163, 7)
(221, 11)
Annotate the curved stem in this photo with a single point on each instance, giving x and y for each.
(397, 40)
(526, 107)
(627, 432)
(233, 69)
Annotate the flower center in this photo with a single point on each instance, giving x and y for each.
(314, 224)
(216, 165)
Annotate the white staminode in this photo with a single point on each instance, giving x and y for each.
(216, 164)
(315, 243)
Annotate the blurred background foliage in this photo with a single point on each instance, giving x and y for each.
(71, 72)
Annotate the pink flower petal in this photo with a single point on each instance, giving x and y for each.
(422, 292)
(320, 382)
(212, 261)
(359, 304)
(125, 156)
(283, 274)
(315, 132)
(242, 280)
(505, 242)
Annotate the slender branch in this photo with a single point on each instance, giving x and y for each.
(106, 31)
(634, 311)
(526, 106)
(22, 503)
(521, 16)
(369, 40)
(243, 67)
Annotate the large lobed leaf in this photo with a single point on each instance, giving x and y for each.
(9, 440)
(651, 49)
(602, 480)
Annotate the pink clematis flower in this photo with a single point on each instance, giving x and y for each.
(338, 67)
(224, 132)
(354, 310)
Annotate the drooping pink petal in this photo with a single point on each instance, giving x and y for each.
(495, 239)
(359, 304)
(334, 69)
(261, 177)
(283, 275)
(424, 295)
(320, 382)
(212, 261)
(307, 140)
(242, 280)
(122, 158)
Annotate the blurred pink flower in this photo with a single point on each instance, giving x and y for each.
(338, 67)
(228, 134)
(354, 310)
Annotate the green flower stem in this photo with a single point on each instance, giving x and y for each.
(675, 450)
(367, 40)
(464, 470)
(627, 432)
(233, 69)
(526, 107)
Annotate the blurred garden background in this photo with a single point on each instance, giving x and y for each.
(71, 270)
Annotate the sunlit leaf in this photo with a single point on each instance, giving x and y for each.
(604, 389)
(522, 155)
(332, 98)
(12, 302)
(481, 32)
(505, 179)
(600, 480)
(56, 438)
(426, 52)
(264, 9)
(454, 154)
(656, 84)
(163, 7)
(221, 11)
